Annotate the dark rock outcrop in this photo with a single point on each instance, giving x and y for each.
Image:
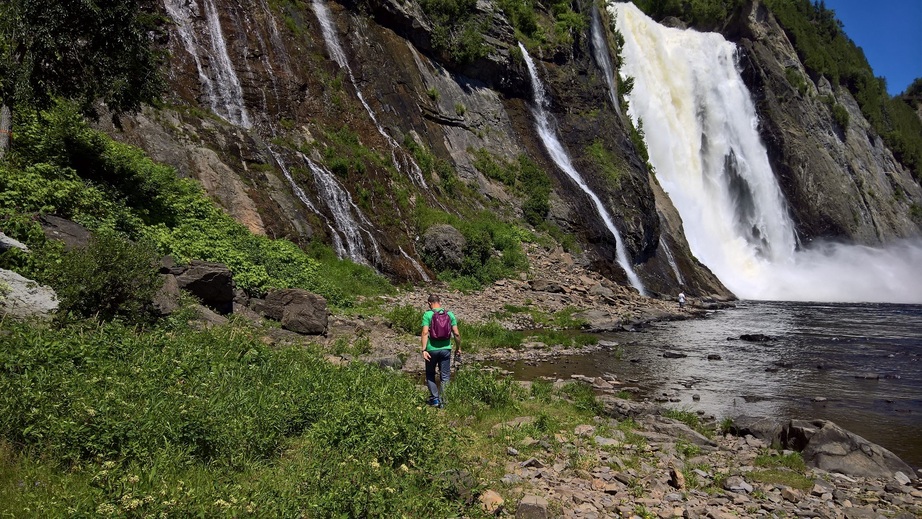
(211, 282)
(443, 247)
(298, 310)
(72, 234)
(827, 446)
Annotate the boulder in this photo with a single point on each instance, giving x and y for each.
(73, 235)
(166, 300)
(298, 310)
(7, 243)
(763, 428)
(23, 298)
(443, 247)
(543, 285)
(211, 282)
(829, 447)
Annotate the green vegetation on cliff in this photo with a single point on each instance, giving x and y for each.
(63, 167)
(826, 51)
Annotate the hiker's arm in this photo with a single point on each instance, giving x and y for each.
(454, 330)
(424, 341)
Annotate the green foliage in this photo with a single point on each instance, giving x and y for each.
(489, 335)
(535, 24)
(406, 319)
(689, 418)
(112, 277)
(839, 112)
(524, 177)
(773, 459)
(456, 31)
(477, 388)
(493, 250)
(79, 51)
(606, 161)
(796, 80)
(208, 421)
(583, 397)
(432, 165)
(706, 14)
(63, 167)
(826, 50)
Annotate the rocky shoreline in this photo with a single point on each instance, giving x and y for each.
(546, 484)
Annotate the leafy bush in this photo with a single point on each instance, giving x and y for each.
(493, 250)
(111, 277)
(524, 177)
(473, 387)
(406, 318)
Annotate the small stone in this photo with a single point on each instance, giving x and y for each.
(791, 494)
(901, 478)
(511, 451)
(491, 502)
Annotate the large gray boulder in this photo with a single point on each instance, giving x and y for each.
(829, 447)
(211, 282)
(298, 310)
(443, 247)
(23, 298)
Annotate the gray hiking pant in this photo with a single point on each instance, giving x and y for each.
(442, 358)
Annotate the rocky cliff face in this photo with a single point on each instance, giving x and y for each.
(325, 120)
(841, 182)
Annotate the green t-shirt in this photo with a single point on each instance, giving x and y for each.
(438, 344)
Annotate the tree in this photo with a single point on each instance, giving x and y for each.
(80, 50)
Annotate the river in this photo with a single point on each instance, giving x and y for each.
(859, 365)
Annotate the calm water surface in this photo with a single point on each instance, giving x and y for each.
(833, 351)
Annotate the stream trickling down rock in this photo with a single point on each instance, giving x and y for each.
(859, 365)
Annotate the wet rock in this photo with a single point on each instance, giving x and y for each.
(756, 337)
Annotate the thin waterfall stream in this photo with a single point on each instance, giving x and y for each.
(562, 159)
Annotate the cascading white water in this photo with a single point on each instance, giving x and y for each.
(672, 263)
(603, 59)
(700, 129)
(220, 83)
(562, 159)
(339, 56)
(416, 265)
(345, 215)
(338, 245)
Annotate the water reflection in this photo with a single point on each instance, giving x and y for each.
(859, 365)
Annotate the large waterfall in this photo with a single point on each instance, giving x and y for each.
(562, 159)
(700, 129)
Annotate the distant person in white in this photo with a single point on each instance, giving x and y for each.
(681, 299)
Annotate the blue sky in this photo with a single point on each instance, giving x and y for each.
(889, 32)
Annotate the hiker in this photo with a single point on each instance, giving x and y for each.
(439, 325)
(681, 300)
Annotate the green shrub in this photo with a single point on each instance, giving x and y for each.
(583, 397)
(489, 335)
(406, 318)
(472, 386)
(112, 277)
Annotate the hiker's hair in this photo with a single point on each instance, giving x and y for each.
(434, 298)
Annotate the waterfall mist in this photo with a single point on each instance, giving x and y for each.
(701, 131)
